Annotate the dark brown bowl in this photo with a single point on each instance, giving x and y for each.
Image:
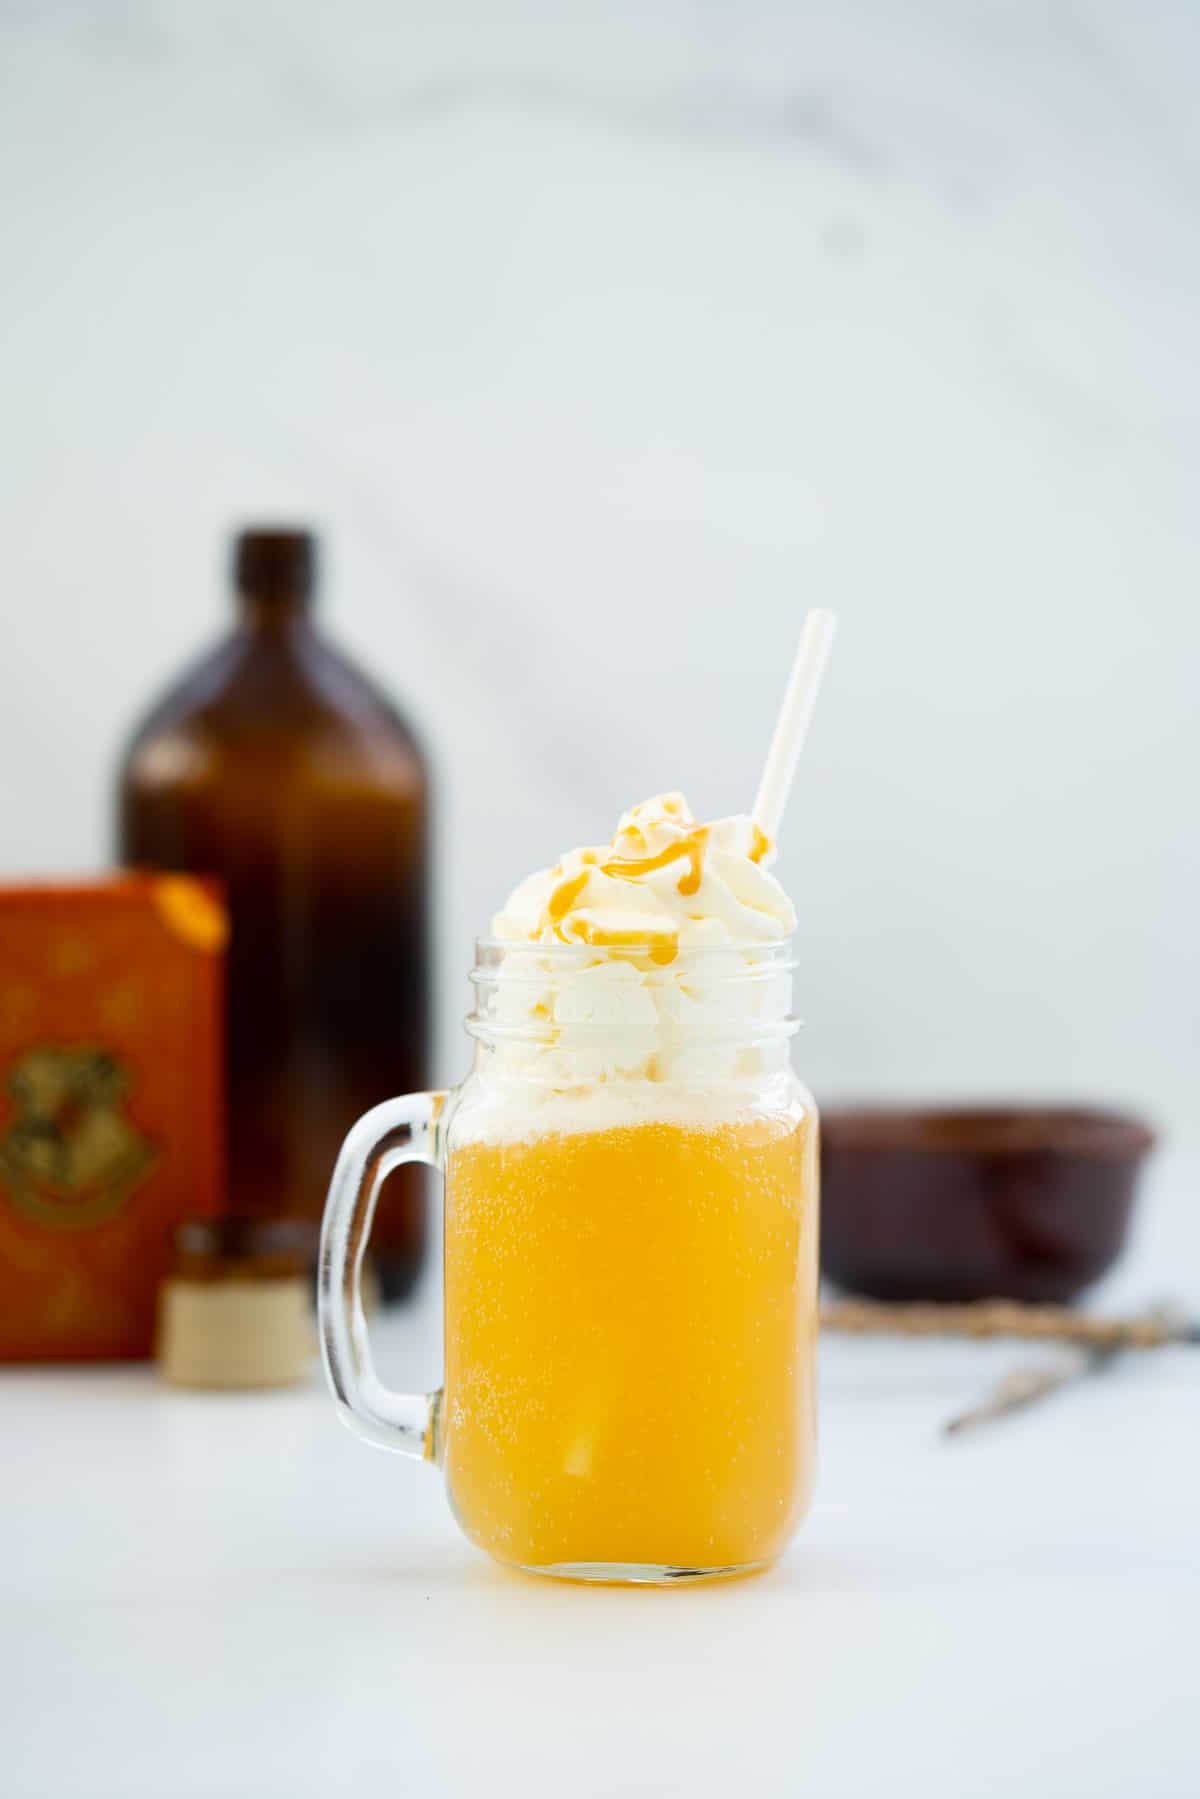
(1024, 1202)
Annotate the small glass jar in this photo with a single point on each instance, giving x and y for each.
(236, 1307)
(630, 1264)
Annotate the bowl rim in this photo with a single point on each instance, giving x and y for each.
(987, 1129)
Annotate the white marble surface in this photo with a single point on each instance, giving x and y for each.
(214, 1597)
(602, 339)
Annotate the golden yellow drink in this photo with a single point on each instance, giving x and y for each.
(630, 1335)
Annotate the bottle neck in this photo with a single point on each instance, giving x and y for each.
(274, 573)
(275, 614)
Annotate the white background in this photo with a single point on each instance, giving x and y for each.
(603, 339)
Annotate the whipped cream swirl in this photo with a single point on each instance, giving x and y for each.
(657, 957)
(665, 884)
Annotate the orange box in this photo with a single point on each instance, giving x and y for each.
(111, 1104)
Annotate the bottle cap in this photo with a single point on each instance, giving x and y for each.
(273, 564)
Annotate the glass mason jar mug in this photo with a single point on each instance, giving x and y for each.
(630, 1264)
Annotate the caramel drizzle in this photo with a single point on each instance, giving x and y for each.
(632, 868)
(662, 946)
(565, 895)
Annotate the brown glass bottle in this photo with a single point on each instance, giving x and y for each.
(278, 767)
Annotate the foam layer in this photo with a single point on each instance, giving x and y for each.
(504, 1111)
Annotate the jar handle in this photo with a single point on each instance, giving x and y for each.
(398, 1131)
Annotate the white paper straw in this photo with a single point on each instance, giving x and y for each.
(791, 727)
